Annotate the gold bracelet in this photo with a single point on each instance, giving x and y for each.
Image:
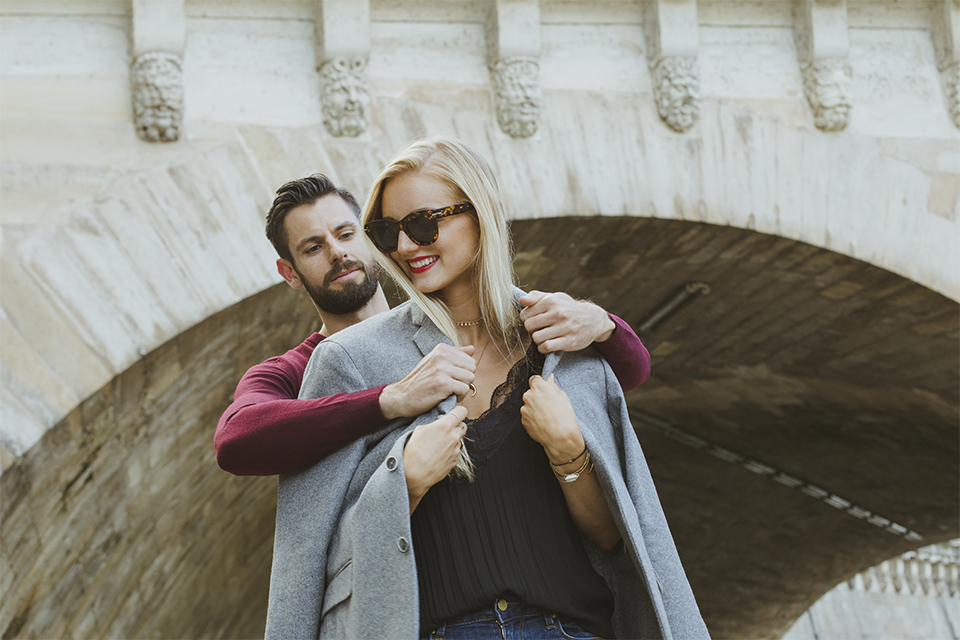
(563, 464)
(573, 477)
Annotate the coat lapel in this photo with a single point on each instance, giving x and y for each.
(428, 335)
(550, 363)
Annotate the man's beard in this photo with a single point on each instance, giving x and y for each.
(350, 297)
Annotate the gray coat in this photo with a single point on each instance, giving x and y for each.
(343, 563)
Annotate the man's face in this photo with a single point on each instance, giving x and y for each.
(330, 259)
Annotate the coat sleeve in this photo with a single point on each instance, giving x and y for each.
(669, 581)
(309, 504)
(374, 540)
(653, 596)
(374, 537)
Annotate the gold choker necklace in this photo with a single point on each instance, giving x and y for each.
(472, 323)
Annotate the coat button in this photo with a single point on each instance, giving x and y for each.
(391, 464)
(402, 544)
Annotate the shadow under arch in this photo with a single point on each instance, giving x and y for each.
(801, 420)
(822, 368)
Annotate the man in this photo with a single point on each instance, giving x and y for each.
(314, 226)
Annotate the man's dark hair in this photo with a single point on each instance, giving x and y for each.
(304, 191)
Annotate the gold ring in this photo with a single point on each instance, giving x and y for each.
(473, 389)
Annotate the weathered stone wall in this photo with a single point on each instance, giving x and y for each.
(834, 259)
(844, 614)
(134, 265)
(119, 523)
(802, 371)
(913, 597)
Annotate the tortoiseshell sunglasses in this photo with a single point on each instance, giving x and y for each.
(420, 226)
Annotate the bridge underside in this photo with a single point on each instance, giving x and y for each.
(801, 423)
(801, 372)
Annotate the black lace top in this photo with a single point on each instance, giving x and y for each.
(508, 533)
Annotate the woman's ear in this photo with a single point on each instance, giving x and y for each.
(288, 273)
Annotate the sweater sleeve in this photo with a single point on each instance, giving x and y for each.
(268, 431)
(626, 355)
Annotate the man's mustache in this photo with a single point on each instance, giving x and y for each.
(344, 266)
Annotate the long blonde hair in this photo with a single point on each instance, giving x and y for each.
(468, 175)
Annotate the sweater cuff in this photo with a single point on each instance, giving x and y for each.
(617, 324)
(369, 407)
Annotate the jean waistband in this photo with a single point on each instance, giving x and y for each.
(503, 609)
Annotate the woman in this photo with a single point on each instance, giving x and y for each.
(497, 546)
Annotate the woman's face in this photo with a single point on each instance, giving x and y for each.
(446, 266)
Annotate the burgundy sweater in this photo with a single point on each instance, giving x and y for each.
(267, 431)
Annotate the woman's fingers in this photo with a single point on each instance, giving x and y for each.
(460, 413)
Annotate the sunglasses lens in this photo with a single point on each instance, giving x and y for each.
(421, 229)
(384, 234)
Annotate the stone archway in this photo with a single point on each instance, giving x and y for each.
(801, 420)
(800, 370)
(123, 261)
(119, 522)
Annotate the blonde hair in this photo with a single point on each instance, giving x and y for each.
(468, 175)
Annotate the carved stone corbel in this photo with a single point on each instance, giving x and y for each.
(945, 32)
(343, 49)
(156, 74)
(823, 42)
(345, 96)
(826, 84)
(157, 96)
(516, 85)
(514, 35)
(673, 41)
(677, 91)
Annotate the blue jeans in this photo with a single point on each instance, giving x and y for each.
(510, 621)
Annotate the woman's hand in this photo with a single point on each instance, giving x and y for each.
(431, 452)
(548, 417)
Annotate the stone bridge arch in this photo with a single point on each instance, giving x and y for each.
(804, 403)
(802, 415)
(161, 250)
(135, 297)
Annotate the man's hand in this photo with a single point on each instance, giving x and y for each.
(557, 322)
(432, 452)
(444, 371)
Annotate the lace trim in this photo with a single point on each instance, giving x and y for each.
(487, 433)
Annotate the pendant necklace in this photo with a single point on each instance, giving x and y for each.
(473, 389)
